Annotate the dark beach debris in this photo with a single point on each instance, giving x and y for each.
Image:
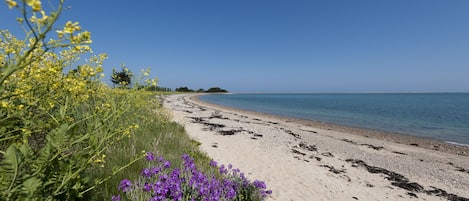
(327, 154)
(412, 194)
(400, 181)
(229, 132)
(256, 119)
(315, 157)
(377, 148)
(214, 146)
(410, 186)
(442, 193)
(308, 147)
(395, 178)
(349, 141)
(213, 126)
(459, 169)
(197, 119)
(309, 131)
(298, 152)
(188, 111)
(257, 135)
(397, 152)
(253, 138)
(333, 169)
(355, 198)
(217, 116)
(370, 185)
(292, 134)
(414, 144)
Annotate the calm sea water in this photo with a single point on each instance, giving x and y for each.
(441, 116)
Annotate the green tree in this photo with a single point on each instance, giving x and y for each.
(216, 90)
(184, 89)
(122, 78)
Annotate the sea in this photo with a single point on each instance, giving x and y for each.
(439, 116)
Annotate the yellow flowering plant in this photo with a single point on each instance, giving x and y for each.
(57, 119)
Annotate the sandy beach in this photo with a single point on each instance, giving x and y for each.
(304, 160)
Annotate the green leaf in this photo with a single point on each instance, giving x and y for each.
(58, 136)
(31, 185)
(9, 169)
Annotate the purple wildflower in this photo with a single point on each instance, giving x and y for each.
(223, 170)
(116, 198)
(155, 170)
(213, 163)
(147, 187)
(125, 185)
(186, 157)
(231, 194)
(149, 156)
(259, 184)
(167, 164)
(165, 183)
(146, 172)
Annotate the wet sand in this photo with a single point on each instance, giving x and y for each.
(308, 160)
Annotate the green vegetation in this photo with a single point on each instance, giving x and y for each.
(122, 78)
(216, 90)
(211, 90)
(183, 89)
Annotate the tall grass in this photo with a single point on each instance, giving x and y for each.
(155, 133)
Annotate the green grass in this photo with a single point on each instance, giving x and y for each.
(156, 133)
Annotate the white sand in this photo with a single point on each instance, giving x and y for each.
(308, 174)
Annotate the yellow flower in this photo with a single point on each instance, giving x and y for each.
(20, 20)
(100, 160)
(20, 107)
(11, 3)
(71, 27)
(35, 4)
(4, 104)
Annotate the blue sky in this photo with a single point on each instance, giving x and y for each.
(283, 45)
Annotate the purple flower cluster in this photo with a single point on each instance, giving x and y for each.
(160, 182)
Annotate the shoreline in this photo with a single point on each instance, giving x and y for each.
(300, 160)
(400, 138)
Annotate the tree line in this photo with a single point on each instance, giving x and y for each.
(124, 79)
(211, 90)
